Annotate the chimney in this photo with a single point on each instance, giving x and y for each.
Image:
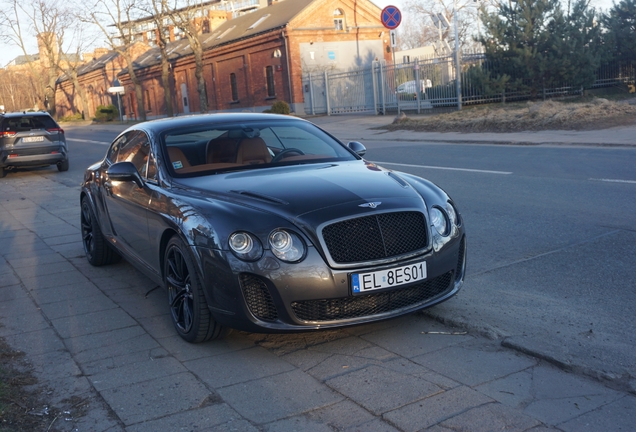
(99, 52)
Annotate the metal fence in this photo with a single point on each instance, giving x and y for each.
(425, 84)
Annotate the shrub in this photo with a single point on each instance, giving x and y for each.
(279, 107)
(106, 113)
(72, 117)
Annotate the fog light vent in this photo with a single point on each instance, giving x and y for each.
(259, 300)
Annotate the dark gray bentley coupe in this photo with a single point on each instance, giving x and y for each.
(266, 223)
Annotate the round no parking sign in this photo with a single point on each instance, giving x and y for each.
(391, 17)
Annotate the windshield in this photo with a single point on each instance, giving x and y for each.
(249, 145)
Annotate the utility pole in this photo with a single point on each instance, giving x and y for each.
(458, 69)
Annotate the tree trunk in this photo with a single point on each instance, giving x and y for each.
(197, 50)
(165, 83)
(198, 73)
(139, 96)
(81, 93)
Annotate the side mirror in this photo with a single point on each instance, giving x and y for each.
(125, 172)
(357, 148)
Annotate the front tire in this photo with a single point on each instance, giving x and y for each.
(97, 250)
(188, 307)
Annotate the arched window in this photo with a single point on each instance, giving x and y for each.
(339, 20)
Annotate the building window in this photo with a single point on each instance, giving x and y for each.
(234, 87)
(147, 97)
(339, 20)
(269, 74)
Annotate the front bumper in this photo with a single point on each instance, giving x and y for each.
(271, 296)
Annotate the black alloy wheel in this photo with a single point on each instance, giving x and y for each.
(188, 306)
(97, 250)
(63, 165)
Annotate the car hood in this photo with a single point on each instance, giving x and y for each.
(301, 190)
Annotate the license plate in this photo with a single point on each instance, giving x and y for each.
(33, 139)
(371, 281)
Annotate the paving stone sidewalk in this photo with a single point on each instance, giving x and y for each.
(101, 342)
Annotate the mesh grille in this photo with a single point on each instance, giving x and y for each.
(259, 300)
(373, 304)
(375, 237)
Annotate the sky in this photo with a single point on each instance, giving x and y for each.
(11, 52)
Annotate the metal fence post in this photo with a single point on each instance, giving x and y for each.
(382, 88)
(417, 85)
(375, 88)
(311, 94)
(327, 94)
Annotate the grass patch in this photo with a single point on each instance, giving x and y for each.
(581, 113)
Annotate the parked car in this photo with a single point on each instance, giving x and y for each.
(410, 87)
(266, 223)
(30, 139)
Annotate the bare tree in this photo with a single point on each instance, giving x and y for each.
(16, 92)
(158, 11)
(415, 33)
(424, 14)
(185, 19)
(70, 63)
(47, 21)
(119, 15)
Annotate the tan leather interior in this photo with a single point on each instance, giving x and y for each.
(221, 150)
(253, 151)
(176, 156)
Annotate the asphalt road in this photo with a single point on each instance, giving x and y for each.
(552, 242)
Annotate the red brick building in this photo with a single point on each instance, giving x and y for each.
(256, 59)
(95, 78)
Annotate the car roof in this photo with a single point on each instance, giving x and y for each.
(23, 113)
(164, 124)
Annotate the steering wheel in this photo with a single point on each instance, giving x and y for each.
(283, 152)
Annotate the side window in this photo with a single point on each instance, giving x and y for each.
(135, 149)
(151, 173)
(114, 148)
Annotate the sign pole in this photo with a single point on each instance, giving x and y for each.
(391, 18)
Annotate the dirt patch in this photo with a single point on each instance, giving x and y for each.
(597, 113)
(23, 401)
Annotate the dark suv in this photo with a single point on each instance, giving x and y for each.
(29, 139)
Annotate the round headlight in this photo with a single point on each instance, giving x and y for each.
(245, 246)
(286, 246)
(438, 220)
(241, 242)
